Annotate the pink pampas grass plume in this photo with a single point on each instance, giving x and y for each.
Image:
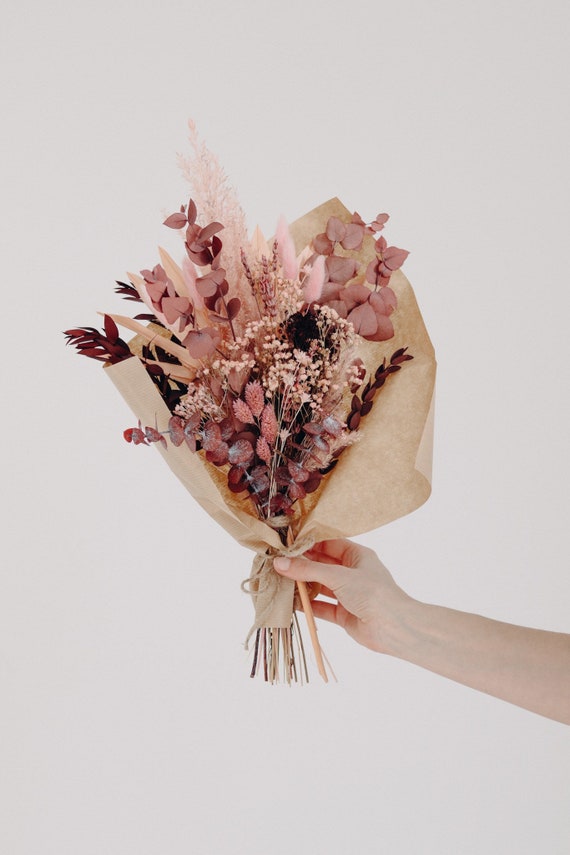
(286, 250)
(313, 284)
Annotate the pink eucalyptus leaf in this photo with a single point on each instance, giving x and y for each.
(385, 330)
(364, 320)
(354, 237)
(175, 307)
(336, 229)
(394, 258)
(206, 286)
(353, 295)
(209, 231)
(379, 222)
(199, 344)
(176, 221)
(192, 212)
(340, 269)
(323, 245)
(339, 307)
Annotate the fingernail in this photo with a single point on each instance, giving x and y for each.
(281, 564)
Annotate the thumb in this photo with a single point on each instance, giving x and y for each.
(305, 570)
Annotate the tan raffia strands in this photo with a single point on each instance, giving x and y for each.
(383, 476)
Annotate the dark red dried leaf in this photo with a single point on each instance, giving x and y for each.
(111, 329)
(365, 408)
(313, 482)
(353, 421)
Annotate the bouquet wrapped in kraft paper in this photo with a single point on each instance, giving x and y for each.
(288, 384)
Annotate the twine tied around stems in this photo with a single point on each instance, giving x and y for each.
(273, 595)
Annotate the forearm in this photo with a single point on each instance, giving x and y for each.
(527, 667)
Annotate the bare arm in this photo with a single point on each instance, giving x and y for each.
(527, 667)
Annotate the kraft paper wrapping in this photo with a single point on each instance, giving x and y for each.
(383, 476)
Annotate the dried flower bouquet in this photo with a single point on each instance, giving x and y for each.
(257, 377)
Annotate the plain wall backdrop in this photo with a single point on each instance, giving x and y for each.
(129, 723)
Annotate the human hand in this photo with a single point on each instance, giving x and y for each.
(369, 605)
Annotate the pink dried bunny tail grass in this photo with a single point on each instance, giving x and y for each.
(286, 250)
(313, 284)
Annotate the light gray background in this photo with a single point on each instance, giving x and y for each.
(130, 726)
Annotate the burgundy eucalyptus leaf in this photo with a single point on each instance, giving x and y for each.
(135, 435)
(332, 426)
(226, 429)
(241, 453)
(313, 482)
(297, 472)
(296, 491)
(218, 456)
(211, 436)
(176, 428)
(321, 444)
(199, 344)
